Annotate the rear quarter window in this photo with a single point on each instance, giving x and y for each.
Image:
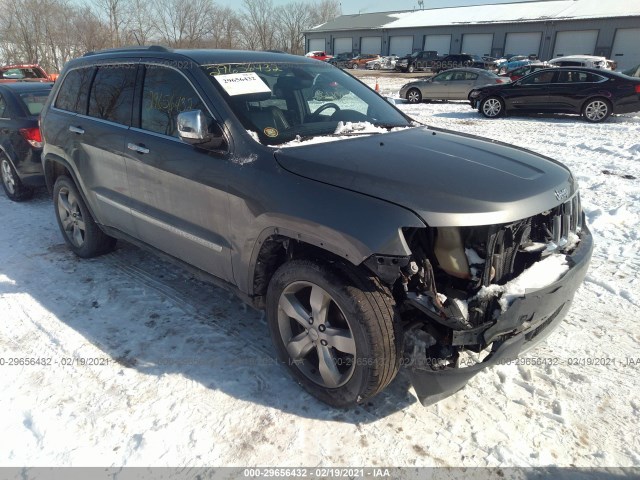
(74, 91)
(34, 101)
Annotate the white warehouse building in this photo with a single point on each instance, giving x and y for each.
(546, 28)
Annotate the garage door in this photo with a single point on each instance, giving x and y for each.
(626, 48)
(577, 42)
(438, 43)
(371, 45)
(316, 44)
(477, 43)
(342, 45)
(401, 45)
(523, 43)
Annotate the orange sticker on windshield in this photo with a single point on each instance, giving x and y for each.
(271, 132)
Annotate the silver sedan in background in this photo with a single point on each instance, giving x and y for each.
(454, 84)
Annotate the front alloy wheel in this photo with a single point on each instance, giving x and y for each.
(597, 110)
(336, 330)
(316, 334)
(491, 107)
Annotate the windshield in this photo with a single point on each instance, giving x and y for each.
(283, 101)
(34, 101)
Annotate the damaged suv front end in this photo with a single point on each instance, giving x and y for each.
(503, 249)
(495, 292)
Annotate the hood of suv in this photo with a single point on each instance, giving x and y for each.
(448, 179)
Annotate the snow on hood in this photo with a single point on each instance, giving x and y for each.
(343, 131)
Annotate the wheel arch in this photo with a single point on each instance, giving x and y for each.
(54, 166)
(274, 246)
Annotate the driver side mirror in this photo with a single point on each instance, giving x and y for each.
(193, 128)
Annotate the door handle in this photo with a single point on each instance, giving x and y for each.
(137, 148)
(78, 130)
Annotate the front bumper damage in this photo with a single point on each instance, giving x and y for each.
(525, 323)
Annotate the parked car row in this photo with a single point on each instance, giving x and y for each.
(201, 156)
(541, 88)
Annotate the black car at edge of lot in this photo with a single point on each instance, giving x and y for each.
(364, 259)
(593, 93)
(20, 139)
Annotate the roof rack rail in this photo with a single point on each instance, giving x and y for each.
(149, 48)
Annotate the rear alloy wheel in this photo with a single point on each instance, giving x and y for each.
(335, 329)
(596, 110)
(354, 66)
(414, 95)
(492, 107)
(80, 231)
(11, 183)
(318, 94)
(376, 66)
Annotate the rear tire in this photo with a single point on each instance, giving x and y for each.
(414, 95)
(13, 186)
(596, 110)
(79, 229)
(336, 329)
(492, 107)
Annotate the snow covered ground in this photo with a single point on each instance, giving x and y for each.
(145, 365)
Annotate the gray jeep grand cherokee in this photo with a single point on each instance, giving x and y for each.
(370, 240)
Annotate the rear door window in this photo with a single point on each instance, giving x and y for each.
(112, 93)
(74, 91)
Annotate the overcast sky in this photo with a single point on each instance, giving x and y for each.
(369, 6)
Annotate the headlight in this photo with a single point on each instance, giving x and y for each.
(474, 94)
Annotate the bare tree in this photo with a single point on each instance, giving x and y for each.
(293, 19)
(225, 29)
(325, 10)
(116, 13)
(140, 24)
(183, 24)
(258, 25)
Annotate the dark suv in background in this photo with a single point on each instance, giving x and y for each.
(417, 61)
(224, 162)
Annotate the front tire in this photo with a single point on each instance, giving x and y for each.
(596, 110)
(13, 186)
(336, 329)
(411, 69)
(79, 229)
(492, 107)
(414, 95)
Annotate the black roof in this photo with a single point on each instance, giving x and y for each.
(199, 56)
